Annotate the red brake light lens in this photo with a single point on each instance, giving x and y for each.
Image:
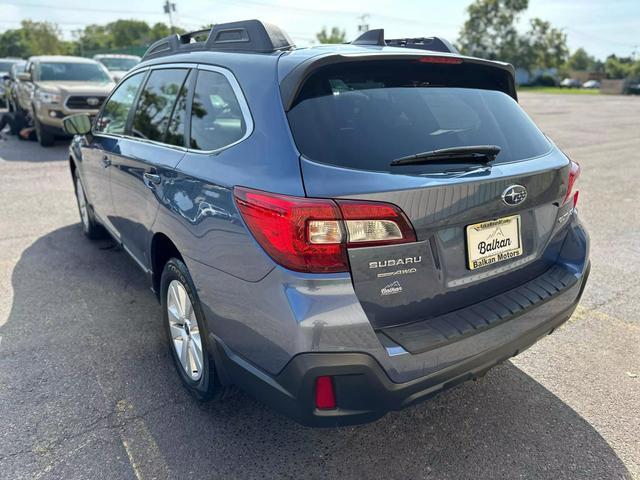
(325, 396)
(436, 59)
(279, 224)
(312, 234)
(574, 174)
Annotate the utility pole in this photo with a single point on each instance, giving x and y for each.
(168, 8)
(77, 34)
(363, 26)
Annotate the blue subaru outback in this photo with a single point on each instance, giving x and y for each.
(341, 230)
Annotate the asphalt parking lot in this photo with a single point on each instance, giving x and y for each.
(87, 389)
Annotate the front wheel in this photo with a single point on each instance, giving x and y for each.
(186, 332)
(45, 137)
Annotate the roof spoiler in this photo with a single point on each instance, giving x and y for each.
(503, 73)
(251, 36)
(376, 38)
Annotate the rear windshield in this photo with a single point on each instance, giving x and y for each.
(79, 72)
(364, 116)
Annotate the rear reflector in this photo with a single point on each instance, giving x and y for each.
(312, 234)
(325, 396)
(572, 188)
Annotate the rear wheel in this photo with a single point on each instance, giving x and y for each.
(186, 333)
(90, 227)
(45, 137)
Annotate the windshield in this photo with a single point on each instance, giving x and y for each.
(18, 68)
(71, 71)
(5, 66)
(119, 64)
(363, 116)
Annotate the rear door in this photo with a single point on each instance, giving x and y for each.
(478, 233)
(145, 159)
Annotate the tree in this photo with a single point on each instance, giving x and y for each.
(619, 67)
(581, 60)
(122, 34)
(544, 46)
(490, 30)
(336, 35)
(96, 37)
(125, 33)
(33, 38)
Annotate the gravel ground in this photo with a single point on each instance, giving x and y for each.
(87, 388)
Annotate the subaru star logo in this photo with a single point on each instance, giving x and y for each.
(93, 101)
(514, 195)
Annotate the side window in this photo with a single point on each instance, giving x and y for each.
(156, 103)
(176, 128)
(116, 111)
(216, 117)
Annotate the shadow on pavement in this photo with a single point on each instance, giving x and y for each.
(14, 150)
(87, 385)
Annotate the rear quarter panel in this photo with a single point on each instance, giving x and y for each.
(198, 212)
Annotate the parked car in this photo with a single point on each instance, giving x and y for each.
(53, 87)
(5, 78)
(325, 229)
(591, 84)
(570, 83)
(117, 64)
(11, 84)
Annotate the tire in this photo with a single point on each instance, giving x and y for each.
(90, 226)
(45, 138)
(199, 376)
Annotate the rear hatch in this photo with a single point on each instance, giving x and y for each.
(483, 225)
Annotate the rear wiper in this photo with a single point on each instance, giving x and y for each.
(475, 153)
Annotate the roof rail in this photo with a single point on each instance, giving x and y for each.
(245, 36)
(376, 38)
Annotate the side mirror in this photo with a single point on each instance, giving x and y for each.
(24, 76)
(78, 124)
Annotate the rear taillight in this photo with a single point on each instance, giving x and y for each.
(374, 223)
(312, 234)
(572, 188)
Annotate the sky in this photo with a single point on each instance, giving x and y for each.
(601, 27)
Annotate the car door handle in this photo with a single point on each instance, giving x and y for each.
(151, 179)
(106, 161)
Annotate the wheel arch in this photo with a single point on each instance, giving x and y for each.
(161, 251)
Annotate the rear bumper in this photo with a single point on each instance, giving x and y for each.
(364, 391)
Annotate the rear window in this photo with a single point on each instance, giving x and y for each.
(156, 103)
(364, 116)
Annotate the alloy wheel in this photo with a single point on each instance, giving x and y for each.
(184, 330)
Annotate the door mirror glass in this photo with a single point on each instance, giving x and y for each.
(78, 124)
(24, 76)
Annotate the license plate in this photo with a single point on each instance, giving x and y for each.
(493, 241)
